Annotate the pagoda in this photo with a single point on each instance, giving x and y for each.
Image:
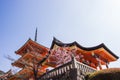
(31, 54)
(69, 61)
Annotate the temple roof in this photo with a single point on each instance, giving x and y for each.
(27, 58)
(5, 75)
(1, 72)
(30, 44)
(102, 45)
(105, 55)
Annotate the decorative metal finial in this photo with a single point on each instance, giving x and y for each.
(36, 35)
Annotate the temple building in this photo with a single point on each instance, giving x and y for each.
(5, 75)
(93, 56)
(69, 61)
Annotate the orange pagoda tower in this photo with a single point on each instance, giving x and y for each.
(31, 54)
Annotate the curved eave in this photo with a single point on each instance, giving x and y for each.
(59, 43)
(19, 50)
(31, 42)
(18, 64)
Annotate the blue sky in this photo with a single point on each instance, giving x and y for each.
(89, 22)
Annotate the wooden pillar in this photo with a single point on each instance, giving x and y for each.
(107, 64)
(97, 57)
(99, 64)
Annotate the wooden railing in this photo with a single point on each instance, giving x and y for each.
(84, 68)
(69, 71)
(57, 71)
